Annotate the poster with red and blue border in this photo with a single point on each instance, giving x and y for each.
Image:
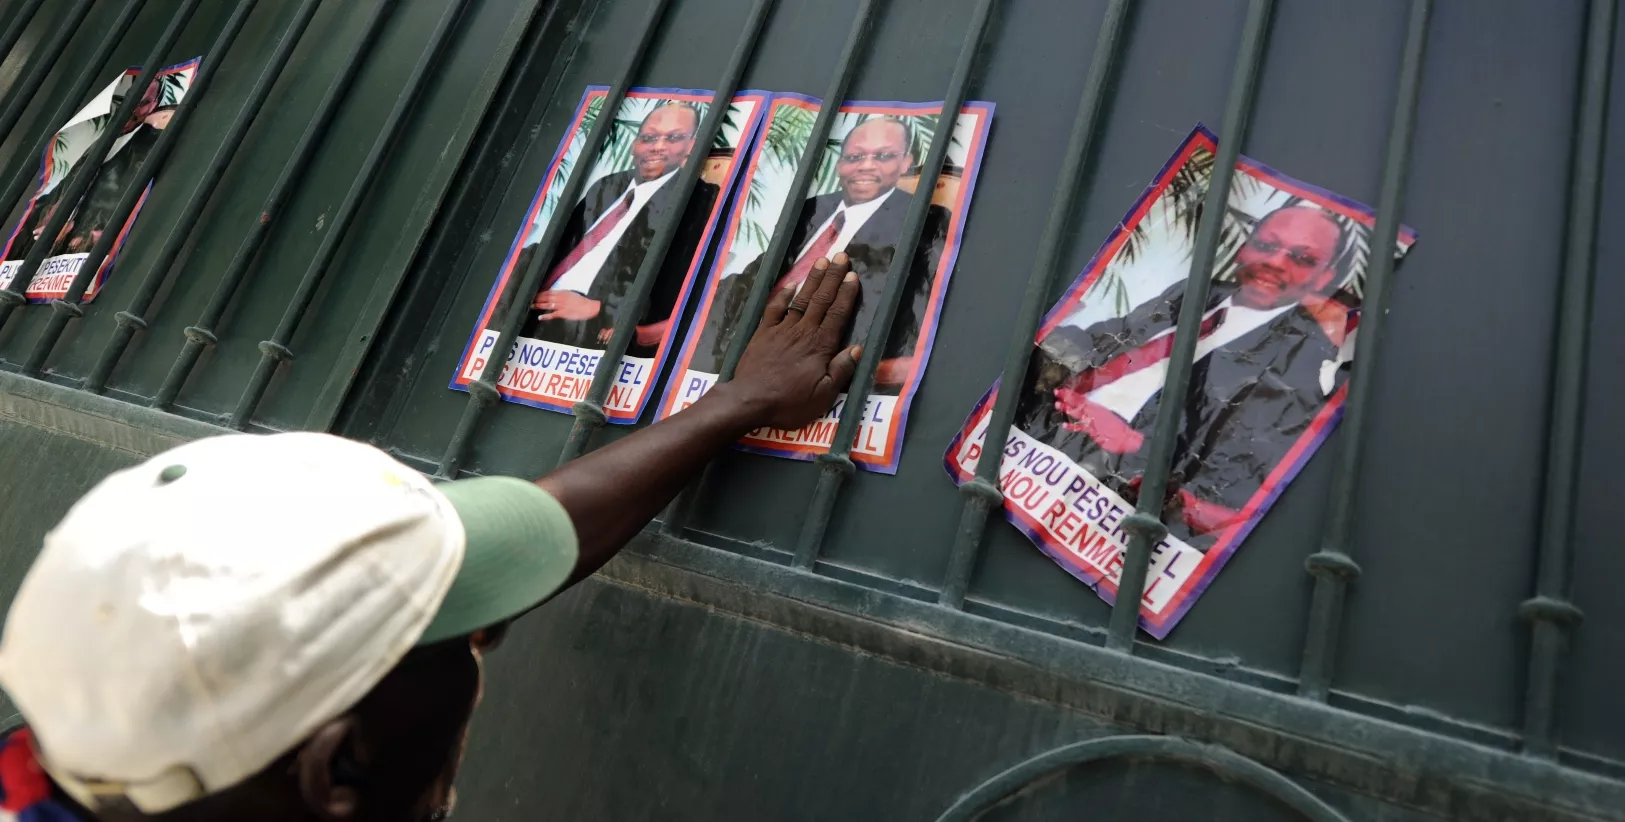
(860, 193)
(1268, 383)
(630, 192)
(136, 139)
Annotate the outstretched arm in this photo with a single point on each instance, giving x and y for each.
(790, 375)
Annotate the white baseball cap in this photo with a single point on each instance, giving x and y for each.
(193, 618)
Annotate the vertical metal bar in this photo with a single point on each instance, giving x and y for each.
(512, 86)
(1552, 616)
(40, 66)
(589, 414)
(1332, 566)
(482, 392)
(676, 517)
(132, 318)
(69, 103)
(982, 492)
(1145, 524)
(66, 309)
(274, 351)
(77, 185)
(201, 335)
(835, 465)
(17, 25)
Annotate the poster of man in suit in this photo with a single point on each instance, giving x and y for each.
(94, 216)
(860, 197)
(587, 283)
(1267, 384)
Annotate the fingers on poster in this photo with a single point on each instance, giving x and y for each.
(93, 217)
(860, 195)
(1268, 383)
(630, 193)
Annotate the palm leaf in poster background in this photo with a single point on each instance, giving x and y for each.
(728, 132)
(171, 88)
(925, 133)
(786, 138)
(60, 147)
(59, 150)
(567, 163)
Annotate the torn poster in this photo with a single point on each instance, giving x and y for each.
(137, 136)
(1267, 385)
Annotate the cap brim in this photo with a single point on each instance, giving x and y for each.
(521, 550)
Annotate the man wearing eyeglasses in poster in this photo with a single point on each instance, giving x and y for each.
(1269, 353)
(864, 220)
(608, 235)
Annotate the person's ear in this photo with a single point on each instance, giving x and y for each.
(319, 758)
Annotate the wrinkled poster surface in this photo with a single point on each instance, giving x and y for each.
(860, 195)
(631, 191)
(137, 136)
(1267, 385)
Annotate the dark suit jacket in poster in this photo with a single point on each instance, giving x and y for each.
(871, 251)
(37, 216)
(116, 174)
(1249, 402)
(613, 285)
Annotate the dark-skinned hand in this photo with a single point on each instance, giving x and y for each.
(790, 375)
(794, 367)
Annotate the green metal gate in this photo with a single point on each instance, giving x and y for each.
(1401, 639)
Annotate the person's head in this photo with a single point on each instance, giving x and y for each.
(1291, 254)
(272, 628)
(664, 140)
(874, 156)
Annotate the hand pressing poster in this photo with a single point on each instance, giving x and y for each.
(1267, 385)
(631, 192)
(860, 195)
(137, 136)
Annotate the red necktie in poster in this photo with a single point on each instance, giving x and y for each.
(1138, 359)
(819, 249)
(605, 225)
